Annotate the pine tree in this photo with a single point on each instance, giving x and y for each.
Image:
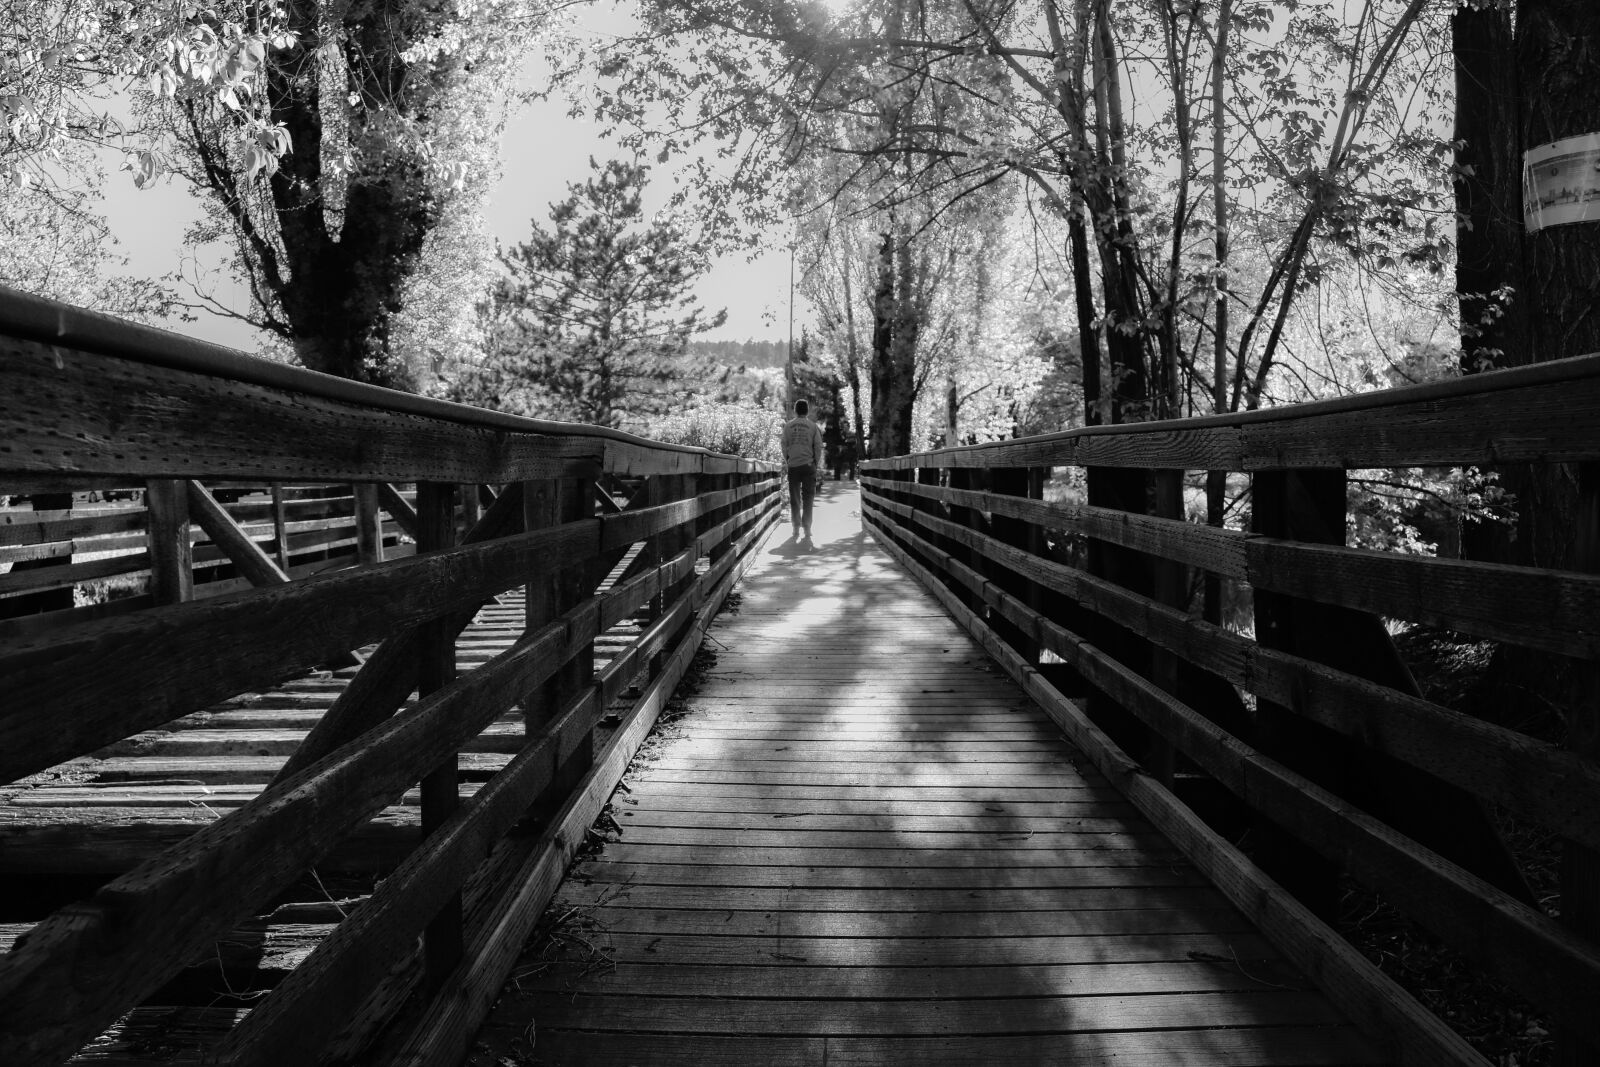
(603, 305)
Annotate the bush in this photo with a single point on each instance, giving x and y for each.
(746, 429)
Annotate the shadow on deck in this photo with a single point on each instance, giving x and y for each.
(862, 843)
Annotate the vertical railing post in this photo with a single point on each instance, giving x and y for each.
(1302, 505)
(1170, 581)
(441, 789)
(171, 555)
(714, 483)
(932, 476)
(551, 591)
(1027, 482)
(369, 523)
(672, 488)
(970, 479)
(1309, 506)
(280, 527)
(1123, 489)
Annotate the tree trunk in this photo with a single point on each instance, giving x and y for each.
(882, 371)
(1490, 288)
(1558, 57)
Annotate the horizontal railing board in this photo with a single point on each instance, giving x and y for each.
(17, 534)
(1389, 1016)
(66, 692)
(1220, 551)
(390, 673)
(62, 327)
(1545, 962)
(113, 417)
(1554, 611)
(65, 981)
(1495, 417)
(443, 1035)
(308, 1008)
(1553, 786)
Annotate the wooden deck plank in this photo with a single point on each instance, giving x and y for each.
(862, 844)
(1285, 1047)
(1000, 982)
(864, 1017)
(605, 872)
(831, 953)
(917, 900)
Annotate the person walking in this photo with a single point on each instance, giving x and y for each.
(802, 454)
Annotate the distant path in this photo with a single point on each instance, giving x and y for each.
(864, 846)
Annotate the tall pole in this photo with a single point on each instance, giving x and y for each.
(788, 362)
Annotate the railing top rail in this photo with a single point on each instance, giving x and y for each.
(1576, 369)
(33, 318)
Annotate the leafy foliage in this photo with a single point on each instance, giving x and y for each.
(53, 244)
(593, 318)
(740, 429)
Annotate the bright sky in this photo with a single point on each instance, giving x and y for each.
(542, 151)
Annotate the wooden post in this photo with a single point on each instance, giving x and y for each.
(1216, 506)
(1170, 580)
(928, 476)
(171, 556)
(369, 524)
(1126, 489)
(1309, 506)
(441, 789)
(280, 527)
(1024, 482)
(971, 479)
(713, 483)
(668, 544)
(551, 591)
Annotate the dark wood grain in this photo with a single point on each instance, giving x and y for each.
(78, 969)
(1389, 1016)
(67, 692)
(1525, 946)
(240, 548)
(1532, 777)
(119, 417)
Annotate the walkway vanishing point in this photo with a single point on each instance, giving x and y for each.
(861, 844)
(311, 692)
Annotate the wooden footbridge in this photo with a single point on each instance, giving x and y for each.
(333, 744)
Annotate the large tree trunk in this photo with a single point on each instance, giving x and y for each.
(342, 255)
(1558, 56)
(1490, 286)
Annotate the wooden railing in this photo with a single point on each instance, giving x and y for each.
(597, 526)
(1315, 723)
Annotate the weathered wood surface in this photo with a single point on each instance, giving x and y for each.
(108, 813)
(1535, 778)
(1407, 1031)
(1550, 610)
(821, 862)
(1473, 916)
(1501, 417)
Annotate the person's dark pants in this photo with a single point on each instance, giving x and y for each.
(802, 494)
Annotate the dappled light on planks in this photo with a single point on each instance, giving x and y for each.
(863, 844)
